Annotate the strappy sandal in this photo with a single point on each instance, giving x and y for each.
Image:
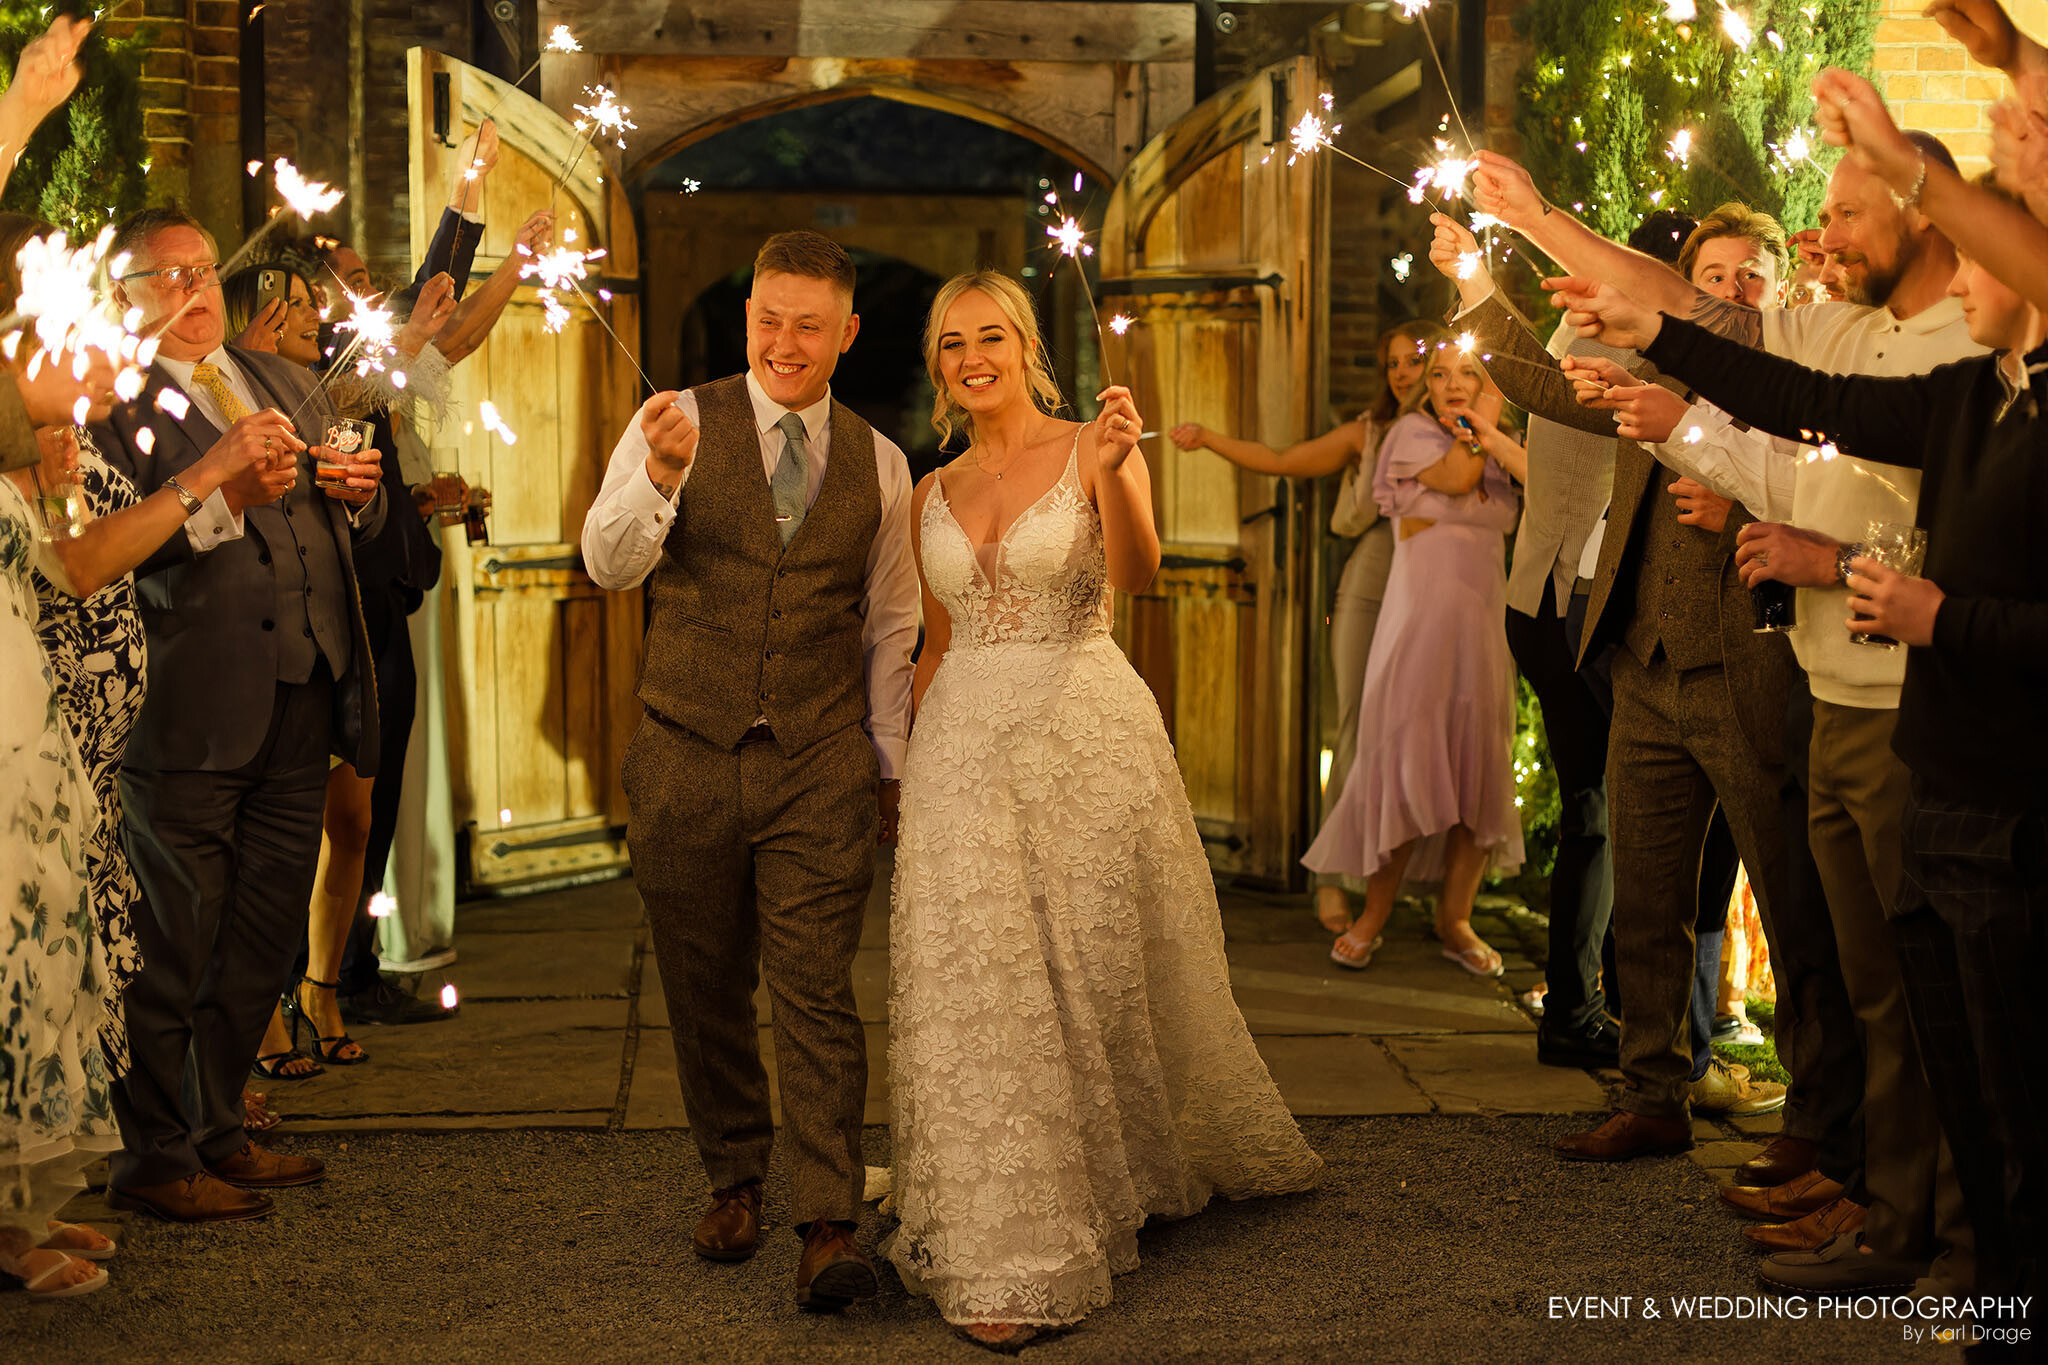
(1480, 961)
(256, 1113)
(1363, 960)
(104, 1252)
(43, 1284)
(325, 1047)
(270, 1066)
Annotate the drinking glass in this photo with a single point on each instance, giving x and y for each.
(1770, 607)
(474, 512)
(347, 437)
(61, 502)
(448, 496)
(1898, 546)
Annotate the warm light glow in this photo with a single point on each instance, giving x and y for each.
(1736, 26)
(449, 999)
(1681, 11)
(302, 196)
(1121, 323)
(1680, 149)
(382, 906)
(487, 411)
(1403, 265)
(561, 40)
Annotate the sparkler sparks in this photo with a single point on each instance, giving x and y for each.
(1681, 11)
(605, 116)
(1403, 265)
(1121, 323)
(1447, 175)
(1680, 149)
(66, 315)
(561, 40)
(376, 334)
(1068, 235)
(302, 196)
(1410, 8)
(1468, 264)
(556, 269)
(1736, 25)
(487, 412)
(1308, 135)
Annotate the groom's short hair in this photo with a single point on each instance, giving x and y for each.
(811, 255)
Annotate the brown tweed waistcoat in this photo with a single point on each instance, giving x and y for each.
(741, 627)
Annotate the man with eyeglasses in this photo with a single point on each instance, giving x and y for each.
(259, 670)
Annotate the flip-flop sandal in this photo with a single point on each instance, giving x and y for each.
(67, 1291)
(1356, 964)
(1482, 961)
(58, 1229)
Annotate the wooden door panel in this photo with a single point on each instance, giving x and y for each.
(1214, 246)
(542, 663)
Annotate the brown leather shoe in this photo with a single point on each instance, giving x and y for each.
(730, 1229)
(1811, 1233)
(1625, 1136)
(833, 1272)
(1796, 1198)
(198, 1198)
(258, 1168)
(1778, 1163)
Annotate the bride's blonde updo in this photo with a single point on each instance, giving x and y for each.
(947, 415)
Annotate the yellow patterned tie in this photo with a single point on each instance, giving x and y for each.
(215, 385)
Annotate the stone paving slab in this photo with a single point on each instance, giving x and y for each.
(551, 964)
(870, 990)
(657, 1096)
(1494, 1074)
(1338, 1076)
(597, 906)
(1294, 988)
(525, 1058)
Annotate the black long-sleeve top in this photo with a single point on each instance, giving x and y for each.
(1973, 714)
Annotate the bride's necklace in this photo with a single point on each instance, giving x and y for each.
(997, 474)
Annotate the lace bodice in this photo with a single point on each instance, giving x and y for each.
(1043, 582)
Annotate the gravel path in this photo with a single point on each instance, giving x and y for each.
(1434, 1239)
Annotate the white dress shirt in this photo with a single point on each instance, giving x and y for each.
(213, 524)
(629, 522)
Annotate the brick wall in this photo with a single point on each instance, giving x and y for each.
(1931, 84)
(191, 105)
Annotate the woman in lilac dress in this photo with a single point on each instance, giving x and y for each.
(1431, 795)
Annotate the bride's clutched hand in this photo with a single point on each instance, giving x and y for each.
(1118, 428)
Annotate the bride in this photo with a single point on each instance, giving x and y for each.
(1066, 1058)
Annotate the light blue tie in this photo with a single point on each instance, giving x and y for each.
(792, 474)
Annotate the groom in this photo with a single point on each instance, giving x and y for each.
(774, 526)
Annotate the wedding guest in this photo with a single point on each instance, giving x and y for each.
(260, 670)
(1901, 319)
(382, 562)
(1431, 795)
(1354, 449)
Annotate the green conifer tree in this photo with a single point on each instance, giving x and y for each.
(85, 168)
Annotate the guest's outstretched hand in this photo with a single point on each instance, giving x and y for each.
(1454, 251)
(1851, 114)
(535, 233)
(2019, 142)
(1883, 601)
(1984, 29)
(1190, 436)
(47, 73)
(1599, 310)
(1502, 188)
(1594, 380)
(429, 314)
(1647, 413)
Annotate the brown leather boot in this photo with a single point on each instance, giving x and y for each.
(1778, 1163)
(834, 1271)
(198, 1198)
(1796, 1198)
(730, 1229)
(1625, 1136)
(258, 1168)
(1844, 1217)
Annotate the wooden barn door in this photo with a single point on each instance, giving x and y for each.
(541, 663)
(1216, 247)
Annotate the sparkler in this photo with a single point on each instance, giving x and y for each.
(1823, 451)
(1070, 238)
(1413, 9)
(63, 311)
(561, 40)
(1312, 135)
(605, 117)
(557, 269)
(303, 197)
(1680, 149)
(1403, 265)
(1121, 323)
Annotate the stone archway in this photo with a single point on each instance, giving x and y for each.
(1094, 82)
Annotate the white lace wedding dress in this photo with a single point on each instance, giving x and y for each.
(1066, 1059)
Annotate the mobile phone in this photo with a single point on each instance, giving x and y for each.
(270, 284)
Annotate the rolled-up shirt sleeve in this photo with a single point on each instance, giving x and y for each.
(889, 632)
(1752, 467)
(631, 520)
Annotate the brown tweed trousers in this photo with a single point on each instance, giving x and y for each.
(756, 855)
(1699, 718)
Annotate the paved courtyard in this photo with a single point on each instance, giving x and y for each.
(516, 1184)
